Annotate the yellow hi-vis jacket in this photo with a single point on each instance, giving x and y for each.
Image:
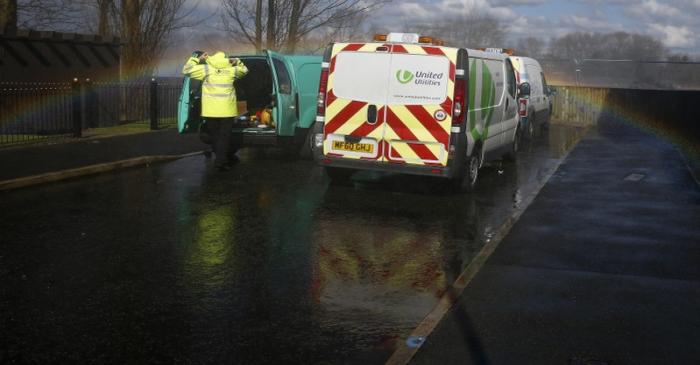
(217, 76)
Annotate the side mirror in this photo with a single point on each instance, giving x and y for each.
(524, 90)
(551, 91)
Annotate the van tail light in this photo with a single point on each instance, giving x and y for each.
(459, 102)
(322, 86)
(522, 107)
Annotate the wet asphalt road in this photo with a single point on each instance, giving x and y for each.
(267, 263)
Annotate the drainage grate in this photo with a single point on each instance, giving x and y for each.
(634, 177)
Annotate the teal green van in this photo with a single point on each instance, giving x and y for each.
(286, 85)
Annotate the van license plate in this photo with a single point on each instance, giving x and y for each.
(353, 147)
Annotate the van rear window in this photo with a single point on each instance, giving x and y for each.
(361, 76)
(381, 78)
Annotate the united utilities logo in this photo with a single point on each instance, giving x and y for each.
(404, 76)
(424, 78)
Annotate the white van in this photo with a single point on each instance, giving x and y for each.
(534, 109)
(406, 103)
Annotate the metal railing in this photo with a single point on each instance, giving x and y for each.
(623, 74)
(31, 112)
(672, 114)
(35, 111)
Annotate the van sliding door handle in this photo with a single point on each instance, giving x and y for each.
(372, 114)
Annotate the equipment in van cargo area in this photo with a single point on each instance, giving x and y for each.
(412, 107)
(280, 93)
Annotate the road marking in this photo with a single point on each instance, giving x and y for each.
(404, 353)
(55, 176)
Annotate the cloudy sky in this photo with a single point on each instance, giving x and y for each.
(675, 22)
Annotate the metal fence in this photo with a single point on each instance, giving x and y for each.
(34, 111)
(623, 74)
(579, 105)
(31, 112)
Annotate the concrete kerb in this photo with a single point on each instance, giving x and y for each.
(692, 165)
(55, 176)
(404, 354)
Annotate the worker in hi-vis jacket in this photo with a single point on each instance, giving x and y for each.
(219, 108)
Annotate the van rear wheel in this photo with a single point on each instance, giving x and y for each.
(531, 126)
(545, 124)
(512, 155)
(473, 165)
(306, 149)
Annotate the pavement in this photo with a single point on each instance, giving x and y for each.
(602, 268)
(31, 160)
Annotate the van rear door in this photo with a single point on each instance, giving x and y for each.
(356, 98)
(419, 104)
(189, 106)
(306, 71)
(284, 111)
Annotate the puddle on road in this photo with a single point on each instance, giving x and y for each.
(353, 269)
(268, 263)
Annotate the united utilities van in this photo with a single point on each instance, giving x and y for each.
(277, 103)
(534, 104)
(407, 104)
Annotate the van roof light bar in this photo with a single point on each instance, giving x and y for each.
(413, 38)
(508, 51)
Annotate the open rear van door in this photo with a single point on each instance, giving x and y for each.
(284, 111)
(307, 73)
(189, 106)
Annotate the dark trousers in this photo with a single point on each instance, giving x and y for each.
(220, 131)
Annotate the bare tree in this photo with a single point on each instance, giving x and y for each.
(290, 22)
(472, 30)
(620, 45)
(8, 14)
(271, 23)
(679, 57)
(258, 25)
(145, 27)
(531, 47)
(350, 29)
(60, 15)
(104, 7)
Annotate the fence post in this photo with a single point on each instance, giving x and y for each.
(77, 108)
(154, 104)
(91, 118)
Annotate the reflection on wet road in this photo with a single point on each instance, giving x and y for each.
(267, 263)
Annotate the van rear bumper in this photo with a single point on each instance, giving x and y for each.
(451, 170)
(330, 161)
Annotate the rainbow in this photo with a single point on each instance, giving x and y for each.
(585, 105)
